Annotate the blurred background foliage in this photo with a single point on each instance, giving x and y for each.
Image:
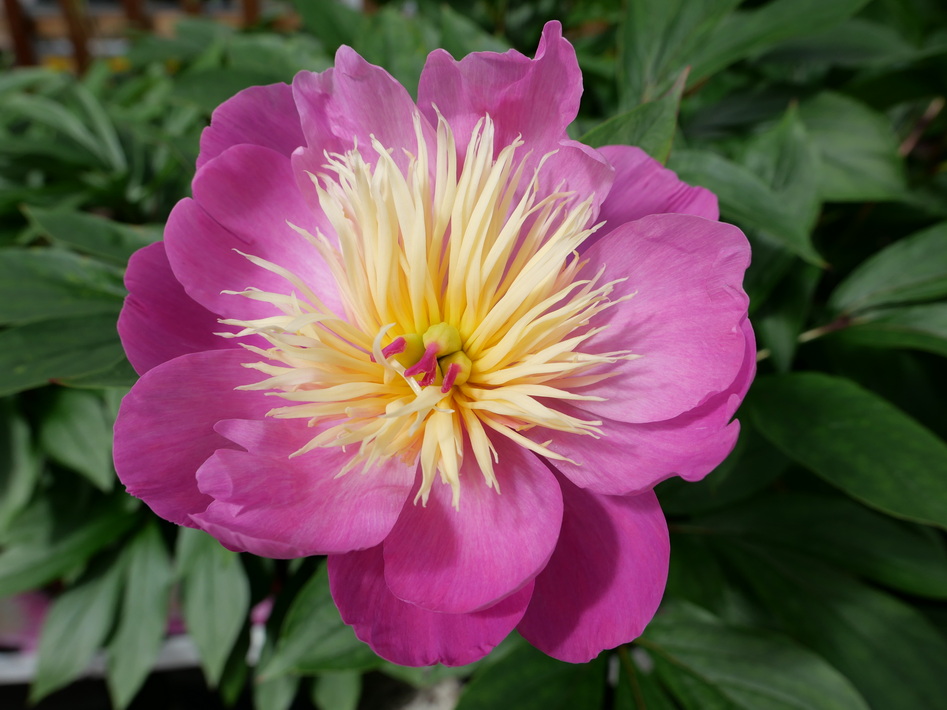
(808, 571)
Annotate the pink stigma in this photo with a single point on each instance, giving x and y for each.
(396, 346)
(427, 364)
(449, 378)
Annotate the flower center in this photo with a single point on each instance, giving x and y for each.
(464, 317)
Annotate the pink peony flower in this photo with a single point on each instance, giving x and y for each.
(458, 352)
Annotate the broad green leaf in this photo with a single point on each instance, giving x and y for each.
(854, 43)
(92, 234)
(333, 22)
(216, 597)
(857, 147)
(747, 33)
(638, 686)
(120, 374)
(313, 637)
(51, 542)
(144, 617)
(38, 284)
(909, 558)
(38, 353)
(706, 663)
(20, 463)
(911, 269)
(650, 126)
(785, 159)
(104, 128)
(746, 199)
(337, 691)
(276, 693)
(76, 432)
(886, 648)
(786, 313)
(657, 38)
(856, 441)
(922, 327)
(527, 679)
(75, 627)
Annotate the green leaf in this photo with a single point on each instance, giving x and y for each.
(398, 43)
(104, 128)
(76, 432)
(785, 159)
(886, 648)
(657, 38)
(746, 199)
(650, 126)
(857, 147)
(209, 87)
(337, 691)
(50, 542)
(786, 314)
(92, 234)
(216, 597)
(20, 464)
(38, 353)
(527, 679)
(313, 637)
(854, 43)
(856, 441)
(37, 284)
(333, 22)
(921, 327)
(75, 627)
(744, 34)
(460, 35)
(706, 663)
(910, 558)
(911, 269)
(144, 618)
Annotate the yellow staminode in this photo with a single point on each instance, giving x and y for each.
(464, 316)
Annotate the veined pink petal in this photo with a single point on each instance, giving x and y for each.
(407, 634)
(606, 578)
(243, 201)
(644, 187)
(684, 318)
(261, 115)
(536, 98)
(159, 321)
(631, 458)
(165, 427)
(267, 498)
(458, 561)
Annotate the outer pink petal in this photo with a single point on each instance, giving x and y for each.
(606, 578)
(407, 634)
(264, 497)
(159, 321)
(458, 561)
(352, 102)
(243, 200)
(165, 427)
(631, 458)
(684, 315)
(261, 115)
(643, 187)
(535, 98)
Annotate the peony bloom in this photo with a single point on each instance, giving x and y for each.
(442, 344)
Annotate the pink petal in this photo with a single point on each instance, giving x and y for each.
(643, 187)
(347, 105)
(165, 427)
(407, 634)
(535, 98)
(684, 318)
(632, 458)
(159, 321)
(266, 498)
(243, 200)
(458, 561)
(606, 578)
(261, 115)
